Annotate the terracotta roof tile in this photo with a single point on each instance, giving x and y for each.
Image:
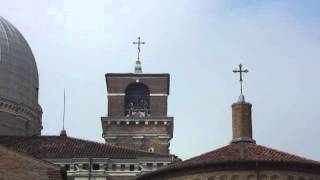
(247, 152)
(51, 147)
(233, 155)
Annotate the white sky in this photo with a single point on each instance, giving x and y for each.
(199, 43)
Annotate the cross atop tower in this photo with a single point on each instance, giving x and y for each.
(139, 48)
(240, 71)
(138, 68)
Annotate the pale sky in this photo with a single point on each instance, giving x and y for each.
(199, 43)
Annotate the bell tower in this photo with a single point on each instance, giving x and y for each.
(137, 110)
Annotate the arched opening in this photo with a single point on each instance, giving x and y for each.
(151, 149)
(137, 100)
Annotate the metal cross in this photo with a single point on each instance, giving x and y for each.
(139, 49)
(241, 71)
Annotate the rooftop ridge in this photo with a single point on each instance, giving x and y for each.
(103, 148)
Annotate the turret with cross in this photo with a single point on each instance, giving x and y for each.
(138, 68)
(241, 115)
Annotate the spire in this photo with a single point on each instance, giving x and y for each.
(138, 68)
(241, 116)
(63, 131)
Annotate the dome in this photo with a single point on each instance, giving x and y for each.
(19, 81)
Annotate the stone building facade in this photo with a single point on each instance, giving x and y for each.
(242, 159)
(137, 112)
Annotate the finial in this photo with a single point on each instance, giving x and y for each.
(138, 68)
(240, 71)
(63, 131)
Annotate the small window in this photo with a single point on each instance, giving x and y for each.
(251, 177)
(149, 165)
(114, 167)
(95, 166)
(106, 167)
(159, 165)
(67, 167)
(131, 167)
(151, 149)
(85, 166)
(122, 167)
(223, 177)
(235, 177)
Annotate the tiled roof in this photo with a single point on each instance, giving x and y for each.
(234, 156)
(59, 147)
(247, 152)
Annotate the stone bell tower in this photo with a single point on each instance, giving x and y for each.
(137, 110)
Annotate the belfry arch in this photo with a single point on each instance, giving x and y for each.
(137, 100)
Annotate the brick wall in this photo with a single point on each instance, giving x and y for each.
(241, 120)
(157, 85)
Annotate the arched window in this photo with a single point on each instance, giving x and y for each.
(151, 149)
(137, 100)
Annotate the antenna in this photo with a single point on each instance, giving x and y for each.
(63, 131)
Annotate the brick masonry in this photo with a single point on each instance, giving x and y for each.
(241, 121)
(157, 84)
(146, 133)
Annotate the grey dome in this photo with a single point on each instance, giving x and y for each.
(20, 113)
(19, 81)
